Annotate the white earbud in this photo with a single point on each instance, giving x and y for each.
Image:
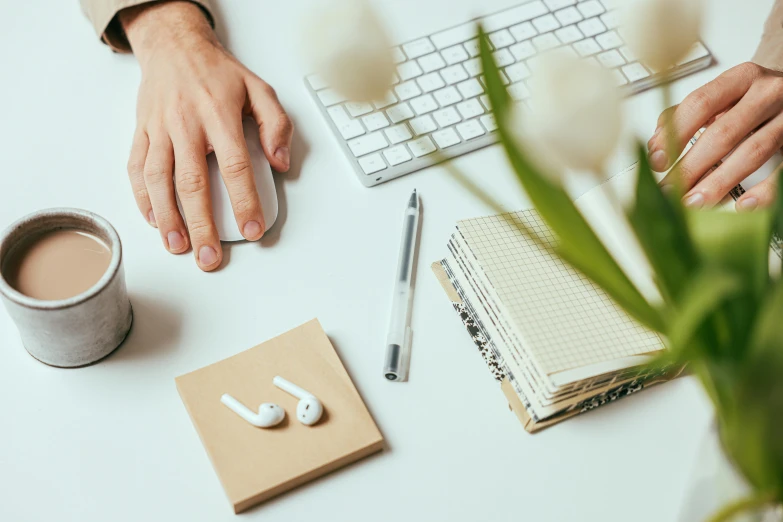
(309, 409)
(268, 414)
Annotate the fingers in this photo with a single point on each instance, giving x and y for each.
(138, 157)
(762, 195)
(158, 177)
(228, 139)
(697, 108)
(192, 178)
(718, 140)
(275, 127)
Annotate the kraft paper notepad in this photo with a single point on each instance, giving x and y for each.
(256, 464)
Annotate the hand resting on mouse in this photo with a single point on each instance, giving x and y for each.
(191, 102)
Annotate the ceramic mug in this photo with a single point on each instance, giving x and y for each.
(79, 330)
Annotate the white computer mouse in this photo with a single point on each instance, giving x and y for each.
(227, 227)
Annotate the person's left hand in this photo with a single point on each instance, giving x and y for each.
(744, 102)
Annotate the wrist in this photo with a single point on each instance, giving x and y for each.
(165, 25)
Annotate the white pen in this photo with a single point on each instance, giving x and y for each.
(398, 341)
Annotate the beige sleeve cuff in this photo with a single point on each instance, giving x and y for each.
(770, 49)
(103, 15)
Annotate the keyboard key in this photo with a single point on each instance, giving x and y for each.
(409, 70)
(454, 54)
(501, 39)
(454, 74)
(523, 31)
(470, 88)
(517, 72)
(431, 82)
(447, 116)
(591, 8)
(316, 82)
(350, 129)
(513, 16)
(397, 55)
(587, 47)
(330, 97)
(591, 27)
(568, 16)
(423, 125)
(611, 19)
(619, 77)
(366, 144)
(609, 40)
(544, 42)
(418, 48)
(431, 62)
(472, 46)
(697, 52)
(376, 121)
(447, 96)
(488, 121)
(390, 99)
(546, 23)
(627, 54)
(485, 102)
(422, 146)
(424, 104)
(399, 113)
(611, 59)
(338, 114)
(469, 109)
(569, 34)
(455, 35)
(372, 164)
(445, 138)
(554, 5)
(503, 57)
(635, 72)
(470, 129)
(473, 66)
(518, 91)
(397, 155)
(398, 134)
(358, 108)
(407, 90)
(503, 78)
(523, 50)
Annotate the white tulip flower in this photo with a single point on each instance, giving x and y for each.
(349, 48)
(661, 32)
(575, 117)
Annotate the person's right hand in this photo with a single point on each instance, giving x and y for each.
(742, 110)
(191, 102)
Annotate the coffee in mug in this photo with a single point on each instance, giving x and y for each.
(57, 264)
(62, 282)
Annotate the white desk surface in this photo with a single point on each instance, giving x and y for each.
(113, 441)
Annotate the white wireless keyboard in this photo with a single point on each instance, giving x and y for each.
(438, 100)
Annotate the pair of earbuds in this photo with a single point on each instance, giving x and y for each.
(308, 411)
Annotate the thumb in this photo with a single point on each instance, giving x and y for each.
(274, 126)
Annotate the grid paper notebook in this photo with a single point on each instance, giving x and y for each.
(567, 321)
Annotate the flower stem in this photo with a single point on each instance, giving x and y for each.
(753, 502)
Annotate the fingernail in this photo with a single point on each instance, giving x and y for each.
(748, 203)
(176, 241)
(207, 255)
(252, 229)
(283, 155)
(658, 160)
(151, 218)
(695, 200)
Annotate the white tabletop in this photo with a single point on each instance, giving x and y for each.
(113, 441)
